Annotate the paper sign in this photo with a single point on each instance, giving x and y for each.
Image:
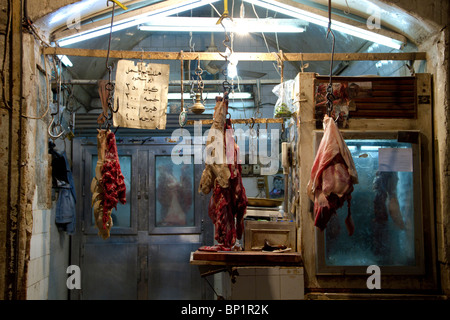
(395, 159)
(141, 95)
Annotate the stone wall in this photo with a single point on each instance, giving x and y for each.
(438, 65)
(49, 250)
(26, 220)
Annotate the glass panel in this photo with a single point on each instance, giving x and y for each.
(382, 208)
(174, 193)
(122, 216)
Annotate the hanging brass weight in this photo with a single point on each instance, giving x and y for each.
(198, 106)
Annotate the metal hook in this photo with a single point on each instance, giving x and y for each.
(330, 97)
(110, 33)
(53, 124)
(51, 128)
(224, 42)
(117, 108)
(226, 86)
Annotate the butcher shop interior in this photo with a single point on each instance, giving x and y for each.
(225, 150)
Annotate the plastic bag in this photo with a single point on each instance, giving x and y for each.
(284, 107)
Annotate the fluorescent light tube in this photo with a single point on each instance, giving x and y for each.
(276, 6)
(65, 60)
(197, 24)
(323, 21)
(136, 20)
(370, 148)
(210, 95)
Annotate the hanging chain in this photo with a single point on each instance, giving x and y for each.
(330, 97)
(191, 79)
(198, 73)
(55, 124)
(110, 85)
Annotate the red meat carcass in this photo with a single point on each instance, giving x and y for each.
(227, 206)
(333, 175)
(228, 202)
(112, 180)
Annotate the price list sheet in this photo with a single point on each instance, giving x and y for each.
(141, 95)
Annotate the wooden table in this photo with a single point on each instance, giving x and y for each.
(213, 262)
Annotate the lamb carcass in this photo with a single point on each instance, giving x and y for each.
(333, 175)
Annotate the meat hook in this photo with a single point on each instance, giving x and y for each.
(226, 88)
(330, 97)
(52, 127)
(54, 115)
(110, 34)
(110, 85)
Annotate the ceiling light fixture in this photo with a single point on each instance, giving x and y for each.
(65, 60)
(200, 24)
(354, 30)
(177, 7)
(286, 7)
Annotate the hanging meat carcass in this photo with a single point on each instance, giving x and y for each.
(108, 185)
(228, 202)
(385, 187)
(215, 149)
(333, 175)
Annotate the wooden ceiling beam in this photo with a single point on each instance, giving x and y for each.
(241, 56)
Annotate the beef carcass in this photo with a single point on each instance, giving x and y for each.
(228, 202)
(385, 187)
(108, 185)
(215, 164)
(333, 175)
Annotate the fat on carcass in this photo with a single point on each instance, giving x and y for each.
(333, 175)
(217, 170)
(228, 203)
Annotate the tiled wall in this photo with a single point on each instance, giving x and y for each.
(39, 265)
(49, 258)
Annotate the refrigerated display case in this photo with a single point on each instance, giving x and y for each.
(388, 126)
(385, 206)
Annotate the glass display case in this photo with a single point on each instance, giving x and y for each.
(385, 207)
